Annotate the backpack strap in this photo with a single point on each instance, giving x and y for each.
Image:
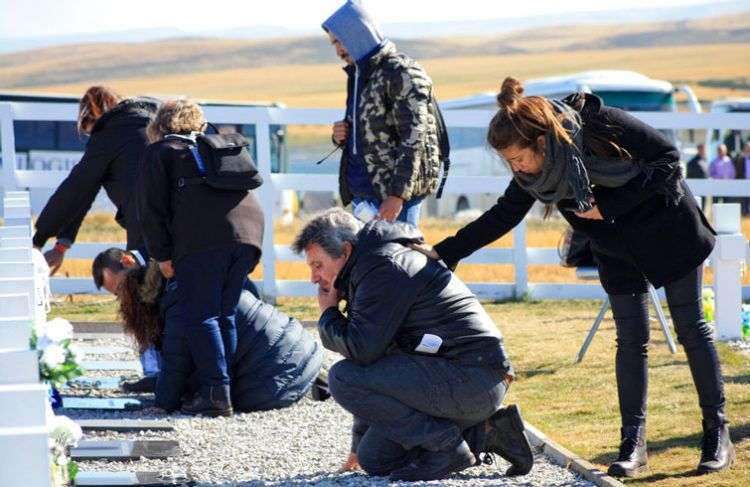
(193, 146)
(445, 146)
(198, 159)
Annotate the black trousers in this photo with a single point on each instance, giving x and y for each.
(403, 403)
(696, 336)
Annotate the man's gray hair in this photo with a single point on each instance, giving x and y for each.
(329, 229)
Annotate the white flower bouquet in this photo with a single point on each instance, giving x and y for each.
(58, 359)
(64, 434)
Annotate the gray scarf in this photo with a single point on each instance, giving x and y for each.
(568, 174)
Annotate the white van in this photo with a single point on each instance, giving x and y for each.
(470, 155)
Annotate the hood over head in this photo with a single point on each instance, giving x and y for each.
(128, 112)
(357, 31)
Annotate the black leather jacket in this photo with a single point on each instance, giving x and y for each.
(396, 296)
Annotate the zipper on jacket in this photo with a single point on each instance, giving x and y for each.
(355, 102)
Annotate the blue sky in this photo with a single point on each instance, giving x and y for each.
(37, 18)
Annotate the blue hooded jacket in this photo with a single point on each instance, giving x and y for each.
(355, 29)
(358, 32)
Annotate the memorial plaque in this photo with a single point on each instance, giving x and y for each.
(124, 425)
(85, 382)
(104, 403)
(124, 449)
(138, 479)
(111, 365)
(89, 350)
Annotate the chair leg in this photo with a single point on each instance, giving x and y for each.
(662, 319)
(592, 331)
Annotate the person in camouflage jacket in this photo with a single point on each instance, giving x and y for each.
(391, 156)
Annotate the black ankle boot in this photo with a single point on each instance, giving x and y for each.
(632, 459)
(436, 465)
(319, 390)
(212, 401)
(506, 438)
(717, 450)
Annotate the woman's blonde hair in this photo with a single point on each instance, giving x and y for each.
(180, 116)
(95, 102)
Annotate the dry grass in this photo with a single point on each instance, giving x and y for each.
(323, 84)
(576, 404)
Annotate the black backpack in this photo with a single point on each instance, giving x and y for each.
(444, 143)
(223, 161)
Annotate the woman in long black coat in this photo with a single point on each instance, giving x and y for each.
(117, 139)
(618, 181)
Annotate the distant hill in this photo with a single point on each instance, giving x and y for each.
(102, 61)
(485, 25)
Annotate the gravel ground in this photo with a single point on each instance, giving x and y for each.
(742, 346)
(300, 445)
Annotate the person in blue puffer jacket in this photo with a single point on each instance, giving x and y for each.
(276, 362)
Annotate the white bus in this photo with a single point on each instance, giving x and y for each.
(470, 155)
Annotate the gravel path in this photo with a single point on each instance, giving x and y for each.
(300, 445)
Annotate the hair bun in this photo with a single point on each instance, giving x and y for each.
(511, 92)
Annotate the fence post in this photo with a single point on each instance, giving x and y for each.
(520, 260)
(8, 141)
(267, 196)
(727, 257)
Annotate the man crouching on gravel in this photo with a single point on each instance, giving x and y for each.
(425, 369)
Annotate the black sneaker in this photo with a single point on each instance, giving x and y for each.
(319, 390)
(143, 385)
(436, 465)
(506, 438)
(633, 458)
(717, 450)
(214, 401)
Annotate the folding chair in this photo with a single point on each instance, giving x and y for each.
(591, 273)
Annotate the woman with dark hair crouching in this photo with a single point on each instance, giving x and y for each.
(619, 182)
(276, 361)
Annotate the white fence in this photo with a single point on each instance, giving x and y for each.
(520, 256)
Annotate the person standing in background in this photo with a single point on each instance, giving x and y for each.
(697, 168)
(391, 156)
(722, 167)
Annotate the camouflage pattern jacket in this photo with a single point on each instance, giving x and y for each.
(395, 127)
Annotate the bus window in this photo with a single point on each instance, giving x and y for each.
(32, 135)
(638, 101)
(68, 137)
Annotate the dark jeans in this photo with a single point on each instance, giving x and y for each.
(404, 402)
(696, 336)
(410, 212)
(209, 283)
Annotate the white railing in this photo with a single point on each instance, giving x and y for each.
(262, 117)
